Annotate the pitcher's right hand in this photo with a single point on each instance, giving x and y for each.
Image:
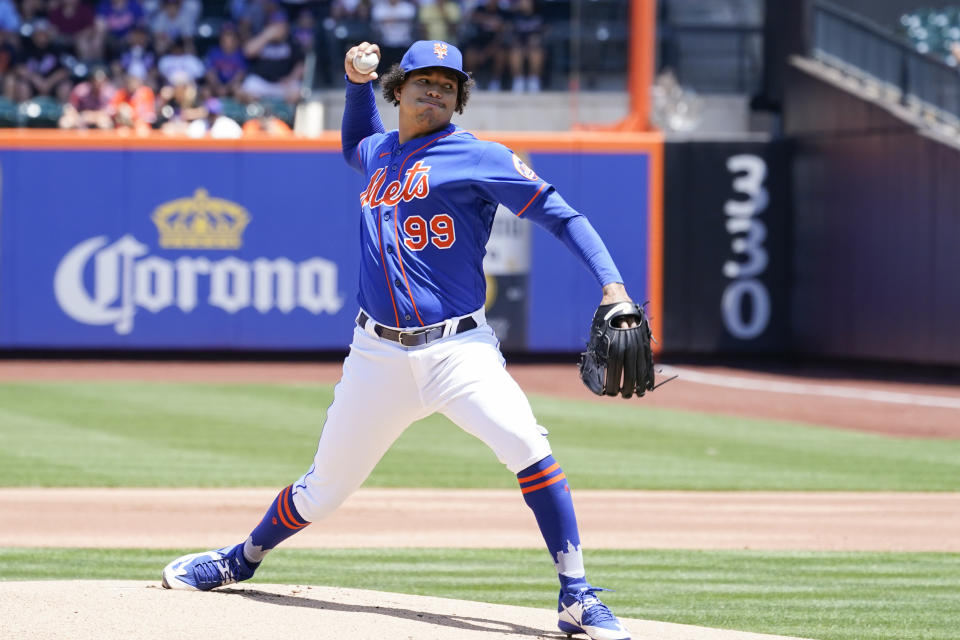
(352, 74)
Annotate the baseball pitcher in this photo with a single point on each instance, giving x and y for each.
(421, 340)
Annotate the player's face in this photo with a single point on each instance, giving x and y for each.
(427, 100)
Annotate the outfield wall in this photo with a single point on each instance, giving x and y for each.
(877, 229)
(100, 247)
(727, 253)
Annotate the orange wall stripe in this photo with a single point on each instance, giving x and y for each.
(592, 141)
(545, 483)
(655, 239)
(547, 471)
(643, 31)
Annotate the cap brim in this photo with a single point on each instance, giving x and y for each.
(460, 74)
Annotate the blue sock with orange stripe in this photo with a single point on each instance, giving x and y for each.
(279, 523)
(546, 492)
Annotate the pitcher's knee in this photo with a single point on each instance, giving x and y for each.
(316, 499)
(532, 451)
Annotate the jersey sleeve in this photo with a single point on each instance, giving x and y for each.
(503, 178)
(360, 121)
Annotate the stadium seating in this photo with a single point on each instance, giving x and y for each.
(933, 31)
(233, 110)
(41, 112)
(9, 114)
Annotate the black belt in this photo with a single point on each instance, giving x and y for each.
(415, 337)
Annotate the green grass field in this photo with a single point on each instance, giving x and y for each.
(150, 434)
(167, 435)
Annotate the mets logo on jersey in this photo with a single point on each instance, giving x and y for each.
(440, 48)
(414, 187)
(523, 169)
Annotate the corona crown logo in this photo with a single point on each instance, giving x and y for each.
(440, 48)
(200, 222)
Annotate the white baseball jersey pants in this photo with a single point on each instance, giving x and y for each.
(385, 387)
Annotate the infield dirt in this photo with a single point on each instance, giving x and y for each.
(75, 611)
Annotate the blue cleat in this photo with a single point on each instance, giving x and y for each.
(208, 570)
(582, 612)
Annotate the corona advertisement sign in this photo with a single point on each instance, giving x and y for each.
(171, 244)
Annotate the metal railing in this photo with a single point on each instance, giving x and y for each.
(713, 58)
(847, 41)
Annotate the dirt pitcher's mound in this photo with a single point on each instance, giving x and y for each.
(115, 610)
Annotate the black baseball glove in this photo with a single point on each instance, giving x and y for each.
(618, 360)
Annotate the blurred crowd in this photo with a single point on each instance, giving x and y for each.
(935, 32)
(224, 66)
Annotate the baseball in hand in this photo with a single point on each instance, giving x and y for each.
(365, 62)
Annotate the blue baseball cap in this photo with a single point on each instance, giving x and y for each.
(433, 53)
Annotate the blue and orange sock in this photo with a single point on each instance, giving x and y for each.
(281, 521)
(546, 492)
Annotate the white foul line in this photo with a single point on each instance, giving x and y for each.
(799, 388)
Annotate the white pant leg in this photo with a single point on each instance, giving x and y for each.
(375, 400)
(469, 384)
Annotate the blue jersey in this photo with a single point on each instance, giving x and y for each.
(427, 211)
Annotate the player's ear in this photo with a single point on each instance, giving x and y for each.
(396, 93)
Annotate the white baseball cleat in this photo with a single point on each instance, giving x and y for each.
(582, 612)
(207, 570)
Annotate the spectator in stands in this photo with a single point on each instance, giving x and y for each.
(134, 106)
(9, 17)
(32, 10)
(226, 66)
(350, 23)
(251, 16)
(89, 103)
(178, 61)
(9, 27)
(439, 20)
(137, 57)
(115, 20)
(483, 48)
(178, 104)
(394, 25)
(276, 63)
(40, 71)
(174, 20)
(215, 124)
(312, 39)
(304, 30)
(74, 24)
(8, 62)
(525, 40)
(350, 11)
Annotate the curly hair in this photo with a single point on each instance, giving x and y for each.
(396, 77)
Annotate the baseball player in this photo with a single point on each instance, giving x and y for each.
(421, 344)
